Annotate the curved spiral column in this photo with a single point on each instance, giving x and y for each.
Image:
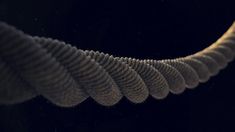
(154, 80)
(66, 76)
(95, 81)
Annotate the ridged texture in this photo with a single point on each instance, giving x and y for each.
(154, 80)
(38, 67)
(218, 57)
(226, 51)
(128, 80)
(211, 64)
(66, 76)
(174, 78)
(95, 81)
(189, 74)
(200, 68)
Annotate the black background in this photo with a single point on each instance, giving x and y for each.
(160, 29)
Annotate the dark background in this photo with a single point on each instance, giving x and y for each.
(160, 29)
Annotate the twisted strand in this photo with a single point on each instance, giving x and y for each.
(66, 76)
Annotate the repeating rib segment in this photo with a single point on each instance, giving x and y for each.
(38, 68)
(94, 80)
(128, 80)
(154, 80)
(211, 64)
(227, 43)
(217, 56)
(200, 68)
(226, 51)
(32, 66)
(174, 78)
(189, 74)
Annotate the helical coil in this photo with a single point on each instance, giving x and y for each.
(66, 76)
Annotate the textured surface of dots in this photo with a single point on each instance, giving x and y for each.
(154, 80)
(94, 80)
(189, 74)
(128, 80)
(200, 68)
(66, 76)
(211, 64)
(174, 78)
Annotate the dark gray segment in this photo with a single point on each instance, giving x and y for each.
(175, 80)
(218, 57)
(128, 80)
(38, 67)
(95, 81)
(226, 51)
(190, 76)
(13, 88)
(211, 64)
(154, 80)
(228, 43)
(200, 68)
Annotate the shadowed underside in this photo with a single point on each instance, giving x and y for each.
(66, 76)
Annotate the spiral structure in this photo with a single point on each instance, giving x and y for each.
(36, 66)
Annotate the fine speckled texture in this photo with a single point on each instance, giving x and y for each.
(66, 76)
